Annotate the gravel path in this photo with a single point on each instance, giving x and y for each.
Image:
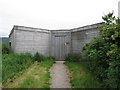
(60, 76)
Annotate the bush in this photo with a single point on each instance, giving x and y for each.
(104, 53)
(104, 62)
(113, 72)
(14, 63)
(5, 48)
(51, 58)
(72, 57)
(96, 52)
(39, 57)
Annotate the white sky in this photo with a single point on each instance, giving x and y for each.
(53, 14)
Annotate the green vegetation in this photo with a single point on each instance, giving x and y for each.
(14, 63)
(104, 52)
(102, 55)
(81, 77)
(14, 66)
(39, 57)
(72, 57)
(5, 48)
(36, 76)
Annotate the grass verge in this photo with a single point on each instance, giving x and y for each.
(15, 63)
(81, 77)
(36, 76)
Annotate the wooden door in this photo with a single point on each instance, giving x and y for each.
(61, 45)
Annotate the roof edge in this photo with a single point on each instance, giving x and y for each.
(15, 27)
(12, 30)
(18, 27)
(87, 27)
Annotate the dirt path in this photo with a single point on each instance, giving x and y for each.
(60, 76)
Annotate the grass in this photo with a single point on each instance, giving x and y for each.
(36, 76)
(14, 63)
(81, 77)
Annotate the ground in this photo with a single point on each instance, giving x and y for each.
(36, 76)
(60, 76)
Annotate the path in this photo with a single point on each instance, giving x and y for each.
(60, 76)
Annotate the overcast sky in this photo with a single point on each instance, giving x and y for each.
(53, 14)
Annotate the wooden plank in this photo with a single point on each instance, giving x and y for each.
(58, 41)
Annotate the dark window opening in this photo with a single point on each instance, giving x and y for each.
(9, 43)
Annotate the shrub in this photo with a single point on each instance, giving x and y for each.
(72, 57)
(104, 54)
(39, 57)
(96, 52)
(51, 58)
(104, 62)
(113, 72)
(5, 48)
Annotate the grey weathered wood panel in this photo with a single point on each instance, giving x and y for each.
(59, 48)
